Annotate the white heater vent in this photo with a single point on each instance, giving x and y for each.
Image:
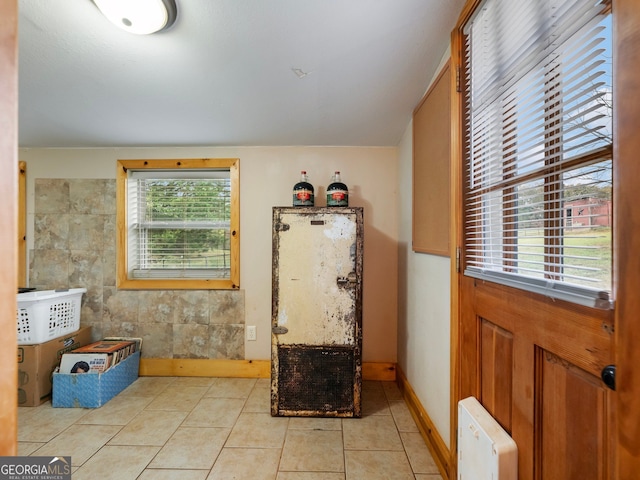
(485, 449)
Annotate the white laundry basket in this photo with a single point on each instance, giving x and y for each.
(48, 314)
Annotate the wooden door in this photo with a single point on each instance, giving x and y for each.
(316, 313)
(535, 363)
(8, 224)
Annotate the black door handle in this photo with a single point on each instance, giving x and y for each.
(608, 376)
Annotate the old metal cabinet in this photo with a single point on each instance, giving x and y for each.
(316, 319)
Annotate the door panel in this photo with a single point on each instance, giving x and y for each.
(538, 368)
(582, 335)
(573, 424)
(496, 371)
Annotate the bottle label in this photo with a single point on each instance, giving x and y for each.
(303, 197)
(337, 198)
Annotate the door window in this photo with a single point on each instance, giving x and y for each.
(538, 186)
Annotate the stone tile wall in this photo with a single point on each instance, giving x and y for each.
(75, 246)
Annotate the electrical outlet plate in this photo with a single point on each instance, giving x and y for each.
(251, 332)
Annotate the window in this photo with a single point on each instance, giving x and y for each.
(178, 224)
(538, 157)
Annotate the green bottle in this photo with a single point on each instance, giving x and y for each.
(303, 192)
(337, 192)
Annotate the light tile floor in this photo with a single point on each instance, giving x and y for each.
(165, 428)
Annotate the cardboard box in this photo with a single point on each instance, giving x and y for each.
(36, 364)
(92, 390)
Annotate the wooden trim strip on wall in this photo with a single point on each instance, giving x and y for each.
(189, 367)
(22, 224)
(436, 445)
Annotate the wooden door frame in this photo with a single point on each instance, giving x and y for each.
(455, 234)
(626, 98)
(8, 225)
(626, 434)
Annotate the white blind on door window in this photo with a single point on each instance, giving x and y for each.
(179, 224)
(537, 83)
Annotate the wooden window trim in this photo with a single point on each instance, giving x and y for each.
(123, 280)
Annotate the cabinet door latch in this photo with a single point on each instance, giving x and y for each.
(279, 330)
(352, 278)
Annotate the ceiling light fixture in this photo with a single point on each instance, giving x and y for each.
(141, 17)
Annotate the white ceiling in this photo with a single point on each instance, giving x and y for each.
(223, 74)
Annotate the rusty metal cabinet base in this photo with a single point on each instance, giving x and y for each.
(318, 381)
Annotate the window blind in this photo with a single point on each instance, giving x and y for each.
(179, 224)
(538, 186)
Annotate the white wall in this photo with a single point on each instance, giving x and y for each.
(267, 175)
(424, 307)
